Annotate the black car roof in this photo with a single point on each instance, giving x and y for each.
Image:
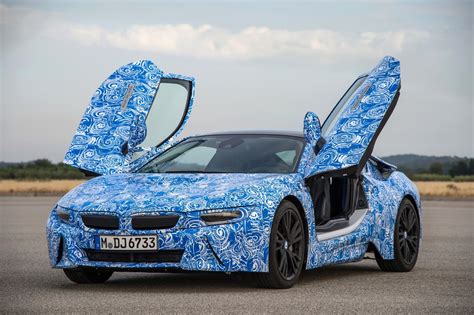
(257, 132)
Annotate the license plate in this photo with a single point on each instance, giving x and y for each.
(129, 242)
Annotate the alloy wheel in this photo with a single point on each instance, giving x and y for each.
(408, 234)
(289, 244)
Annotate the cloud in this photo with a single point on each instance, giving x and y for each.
(208, 41)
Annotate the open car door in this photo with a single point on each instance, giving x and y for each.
(348, 137)
(135, 111)
(352, 127)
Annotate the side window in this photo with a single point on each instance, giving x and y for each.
(333, 117)
(167, 111)
(287, 156)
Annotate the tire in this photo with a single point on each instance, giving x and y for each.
(286, 249)
(87, 276)
(406, 240)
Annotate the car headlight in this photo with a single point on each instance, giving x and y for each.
(213, 218)
(63, 214)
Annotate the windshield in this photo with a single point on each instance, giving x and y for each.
(230, 154)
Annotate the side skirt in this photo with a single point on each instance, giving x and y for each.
(338, 255)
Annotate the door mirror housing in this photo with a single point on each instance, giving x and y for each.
(312, 128)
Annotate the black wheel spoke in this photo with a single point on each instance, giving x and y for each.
(404, 219)
(406, 251)
(296, 240)
(280, 236)
(287, 266)
(280, 240)
(401, 240)
(292, 264)
(296, 259)
(295, 232)
(412, 221)
(412, 243)
(401, 224)
(282, 266)
(281, 251)
(404, 245)
(408, 222)
(288, 223)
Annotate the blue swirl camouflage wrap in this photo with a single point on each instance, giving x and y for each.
(384, 196)
(311, 127)
(115, 117)
(360, 119)
(243, 243)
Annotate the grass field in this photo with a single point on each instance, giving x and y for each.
(446, 189)
(47, 187)
(60, 187)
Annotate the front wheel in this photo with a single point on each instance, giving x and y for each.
(286, 249)
(406, 240)
(87, 276)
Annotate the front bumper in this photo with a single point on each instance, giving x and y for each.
(238, 246)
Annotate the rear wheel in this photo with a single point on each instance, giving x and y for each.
(287, 249)
(87, 276)
(406, 240)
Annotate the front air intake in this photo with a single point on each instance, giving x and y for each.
(60, 250)
(161, 256)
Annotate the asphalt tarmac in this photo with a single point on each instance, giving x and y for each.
(442, 281)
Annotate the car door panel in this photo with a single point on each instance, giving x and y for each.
(352, 133)
(115, 121)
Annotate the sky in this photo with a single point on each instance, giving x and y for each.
(258, 65)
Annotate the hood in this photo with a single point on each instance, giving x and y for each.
(123, 193)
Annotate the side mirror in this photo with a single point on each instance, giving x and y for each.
(312, 128)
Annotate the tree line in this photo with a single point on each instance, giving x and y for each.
(460, 171)
(43, 169)
(462, 167)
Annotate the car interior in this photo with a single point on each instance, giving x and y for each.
(340, 201)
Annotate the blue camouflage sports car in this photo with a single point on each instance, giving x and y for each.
(267, 203)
